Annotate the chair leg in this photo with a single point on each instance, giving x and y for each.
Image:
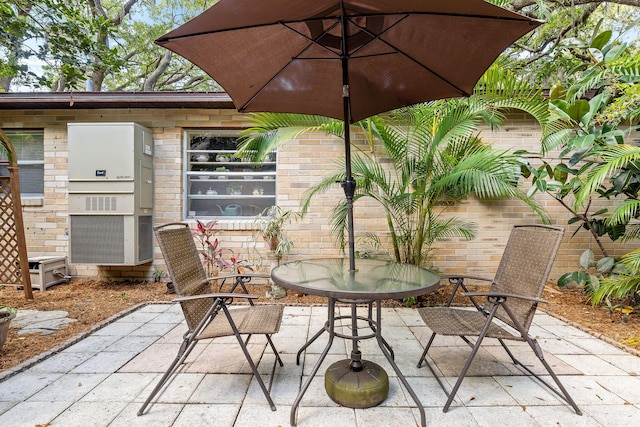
(426, 349)
(275, 351)
(243, 346)
(474, 351)
(254, 369)
(277, 361)
(561, 391)
(466, 367)
(184, 351)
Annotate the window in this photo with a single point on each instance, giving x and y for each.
(219, 185)
(29, 146)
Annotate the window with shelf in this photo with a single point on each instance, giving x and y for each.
(217, 184)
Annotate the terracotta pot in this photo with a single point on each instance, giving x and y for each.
(5, 320)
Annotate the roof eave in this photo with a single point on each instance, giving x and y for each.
(100, 100)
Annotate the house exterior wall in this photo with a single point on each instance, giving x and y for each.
(300, 164)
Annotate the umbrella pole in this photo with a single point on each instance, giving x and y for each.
(349, 187)
(349, 184)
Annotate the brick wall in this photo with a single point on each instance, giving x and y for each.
(301, 164)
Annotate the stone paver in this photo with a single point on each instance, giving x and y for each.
(103, 379)
(40, 322)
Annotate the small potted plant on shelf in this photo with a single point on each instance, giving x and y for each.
(7, 314)
(234, 189)
(222, 169)
(270, 225)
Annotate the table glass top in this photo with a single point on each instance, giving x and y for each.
(376, 279)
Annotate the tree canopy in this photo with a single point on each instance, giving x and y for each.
(107, 45)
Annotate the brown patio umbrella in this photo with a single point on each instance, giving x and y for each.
(345, 59)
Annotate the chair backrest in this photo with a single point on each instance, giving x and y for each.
(185, 269)
(525, 267)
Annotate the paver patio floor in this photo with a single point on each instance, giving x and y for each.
(103, 379)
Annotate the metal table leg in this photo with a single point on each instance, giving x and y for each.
(383, 347)
(331, 330)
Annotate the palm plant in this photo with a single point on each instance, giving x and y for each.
(436, 159)
(624, 284)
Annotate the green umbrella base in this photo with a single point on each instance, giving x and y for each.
(356, 389)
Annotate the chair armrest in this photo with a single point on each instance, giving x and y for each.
(235, 276)
(465, 277)
(503, 295)
(220, 295)
(458, 282)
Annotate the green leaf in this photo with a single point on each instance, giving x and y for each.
(601, 40)
(560, 174)
(615, 52)
(605, 265)
(577, 277)
(622, 180)
(586, 259)
(567, 169)
(573, 220)
(581, 278)
(582, 142)
(594, 283)
(560, 107)
(597, 54)
(557, 92)
(578, 109)
(565, 280)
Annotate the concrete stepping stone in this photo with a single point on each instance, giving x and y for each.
(40, 322)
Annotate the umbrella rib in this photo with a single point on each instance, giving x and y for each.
(314, 42)
(401, 52)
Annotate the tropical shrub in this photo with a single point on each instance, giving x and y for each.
(436, 159)
(591, 132)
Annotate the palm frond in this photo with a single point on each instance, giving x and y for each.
(624, 213)
(270, 130)
(614, 158)
(621, 285)
(449, 228)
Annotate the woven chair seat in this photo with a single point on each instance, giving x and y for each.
(261, 319)
(458, 322)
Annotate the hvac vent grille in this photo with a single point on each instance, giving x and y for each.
(145, 238)
(97, 239)
(100, 203)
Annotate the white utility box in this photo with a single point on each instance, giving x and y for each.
(47, 271)
(110, 193)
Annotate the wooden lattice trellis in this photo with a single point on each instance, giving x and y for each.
(14, 261)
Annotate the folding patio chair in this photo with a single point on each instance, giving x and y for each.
(512, 299)
(211, 315)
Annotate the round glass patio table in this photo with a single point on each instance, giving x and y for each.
(370, 283)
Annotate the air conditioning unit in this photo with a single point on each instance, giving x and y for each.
(110, 193)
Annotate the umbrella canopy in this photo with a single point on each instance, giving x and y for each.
(287, 56)
(345, 59)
